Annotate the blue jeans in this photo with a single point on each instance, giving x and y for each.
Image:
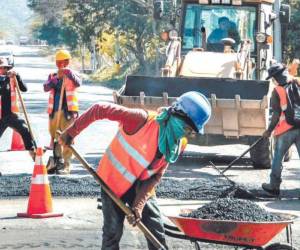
(114, 221)
(282, 145)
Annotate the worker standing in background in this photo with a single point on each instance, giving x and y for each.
(9, 104)
(60, 119)
(138, 156)
(285, 134)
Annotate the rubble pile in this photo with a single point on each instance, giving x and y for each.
(232, 209)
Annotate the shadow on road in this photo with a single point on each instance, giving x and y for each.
(293, 204)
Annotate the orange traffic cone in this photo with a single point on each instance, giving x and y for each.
(17, 142)
(40, 199)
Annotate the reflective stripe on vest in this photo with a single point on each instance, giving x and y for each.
(282, 125)
(13, 98)
(129, 156)
(71, 94)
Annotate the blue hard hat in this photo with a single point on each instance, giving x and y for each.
(196, 107)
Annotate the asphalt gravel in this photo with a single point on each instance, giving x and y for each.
(67, 186)
(232, 209)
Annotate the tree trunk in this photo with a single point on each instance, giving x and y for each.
(141, 58)
(82, 53)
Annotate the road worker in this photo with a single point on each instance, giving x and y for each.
(138, 156)
(9, 104)
(62, 115)
(285, 134)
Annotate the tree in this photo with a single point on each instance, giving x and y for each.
(293, 34)
(84, 20)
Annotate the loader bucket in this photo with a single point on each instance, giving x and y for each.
(239, 107)
(223, 88)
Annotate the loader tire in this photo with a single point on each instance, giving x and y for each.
(262, 154)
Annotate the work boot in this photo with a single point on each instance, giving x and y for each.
(270, 189)
(55, 165)
(66, 170)
(51, 167)
(63, 171)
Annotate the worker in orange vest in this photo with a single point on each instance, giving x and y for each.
(60, 119)
(9, 104)
(138, 156)
(285, 134)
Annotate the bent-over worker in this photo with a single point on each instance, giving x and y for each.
(138, 156)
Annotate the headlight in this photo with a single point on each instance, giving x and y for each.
(261, 37)
(173, 34)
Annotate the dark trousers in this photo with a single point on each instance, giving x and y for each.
(114, 222)
(14, 122)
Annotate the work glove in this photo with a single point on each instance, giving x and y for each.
(53, 79)
(137, 208)
(11, 73)
(135, 217)
(67, 72)
(65, 139)
(266, 134)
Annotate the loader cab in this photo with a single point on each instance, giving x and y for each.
(201, 29)
(204, 26)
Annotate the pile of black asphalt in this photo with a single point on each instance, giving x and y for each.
(233, 210)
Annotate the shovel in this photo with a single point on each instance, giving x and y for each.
(25, 112)
(245, 152)
(235, 190)
(51, 165)
(127, 210)
(231, 164)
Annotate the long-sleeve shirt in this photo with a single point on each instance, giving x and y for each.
(276, 110)
(55, 83)
(131, 120)
(5, 93)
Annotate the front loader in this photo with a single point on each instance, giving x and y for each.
(230, 71)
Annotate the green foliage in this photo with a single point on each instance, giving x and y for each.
(50, 32)
(77, 22)
(293, 34)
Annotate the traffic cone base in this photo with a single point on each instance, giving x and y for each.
(17, 143)
(40, 200)
(40, 216)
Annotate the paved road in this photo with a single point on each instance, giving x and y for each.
(80, 227)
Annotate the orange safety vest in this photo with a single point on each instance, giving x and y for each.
(282, 126)
(71, 94)
(129, 158)
(13, 98)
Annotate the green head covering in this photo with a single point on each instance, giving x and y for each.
(171, 131)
